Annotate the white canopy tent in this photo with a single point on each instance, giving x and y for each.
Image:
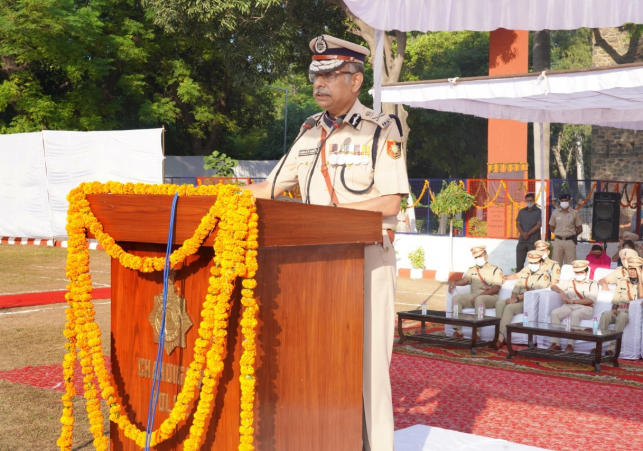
(607, 96)
(487, 15)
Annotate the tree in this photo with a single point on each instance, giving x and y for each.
(446, 144)
(394, 54)
(453, 199)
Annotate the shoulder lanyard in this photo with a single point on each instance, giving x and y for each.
(629, 294)
(486, 287)
(577, 293)
(324, 170)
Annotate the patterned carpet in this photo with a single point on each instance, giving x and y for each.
(552, 405)
(629, 373)
(557, 413)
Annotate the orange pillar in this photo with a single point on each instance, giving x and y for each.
(507, 140)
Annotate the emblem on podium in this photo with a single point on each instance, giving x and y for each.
(177, 320)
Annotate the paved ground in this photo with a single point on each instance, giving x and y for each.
(412, 292)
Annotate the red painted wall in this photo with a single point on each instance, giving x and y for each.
(508, 54)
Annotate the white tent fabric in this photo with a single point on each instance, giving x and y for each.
(119, 156)
(487, 15)
(37, 171)
(610, 97)
(24, 209)
(431, 438)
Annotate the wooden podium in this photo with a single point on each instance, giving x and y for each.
(309, 336)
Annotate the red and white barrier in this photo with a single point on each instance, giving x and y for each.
(93, 244)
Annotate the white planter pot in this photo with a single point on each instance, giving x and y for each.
(416, 273)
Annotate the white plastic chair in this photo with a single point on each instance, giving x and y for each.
(566, 272)
(599, 273)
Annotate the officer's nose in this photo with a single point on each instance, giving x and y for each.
(319, 82)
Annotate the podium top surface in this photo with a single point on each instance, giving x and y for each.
(146, 218)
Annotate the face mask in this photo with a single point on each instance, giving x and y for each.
(480, 261)
(564, 205)
(545, 255)
(580, 276)
(534, 267)
(530, 205)
(634, 280)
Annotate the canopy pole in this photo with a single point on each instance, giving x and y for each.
(543, 205)
(378, 65)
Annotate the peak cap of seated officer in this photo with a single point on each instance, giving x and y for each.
(478, 251)
(635, 262)
(331, 53)
(580, 265)
(534, 256)
(625, 255)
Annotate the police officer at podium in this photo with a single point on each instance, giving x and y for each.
(349, 156)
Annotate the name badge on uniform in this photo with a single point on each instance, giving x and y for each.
(306, 152)
(334, 149)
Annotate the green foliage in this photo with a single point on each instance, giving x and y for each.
(404, 203)
(446, 144)
(195, 67)
(222, 164)
(571, 49)
(416, 258)
(477, 227)
(451, 200)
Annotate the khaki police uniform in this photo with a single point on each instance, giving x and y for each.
(565, 223)
(551, 267)
(614, 276)
(587, 289)
(626, 291)
(526, 282)
(480, 279)
(351, 165)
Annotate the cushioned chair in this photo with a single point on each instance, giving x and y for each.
(631, 346)
(566, 272)
(486, 333)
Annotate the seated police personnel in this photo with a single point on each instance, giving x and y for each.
(485, 280)
(549, 265)
(535, 279)
(578, 296)
(628, 289)
(618, 273)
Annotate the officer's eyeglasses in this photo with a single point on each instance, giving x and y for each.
(329, 77)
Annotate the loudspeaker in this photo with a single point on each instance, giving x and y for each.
(606, 216)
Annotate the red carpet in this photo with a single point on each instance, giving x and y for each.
(46, 297)
(48, 376)
(629, 373)
(557, 413)
(550, 412)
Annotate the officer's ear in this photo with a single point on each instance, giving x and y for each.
(356, 82)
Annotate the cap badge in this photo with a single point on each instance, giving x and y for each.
(320, 45)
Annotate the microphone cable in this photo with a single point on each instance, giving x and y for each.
(310, 122)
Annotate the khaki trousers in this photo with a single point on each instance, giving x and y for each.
(506, 312)
(576, 312)
(379, 326)
(466, 301)
(564, 252)
(621, 319)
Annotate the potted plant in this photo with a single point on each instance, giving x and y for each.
(453, 199)
(416, 258)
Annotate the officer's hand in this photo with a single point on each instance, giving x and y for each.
(451, 286)
(564, 298)
(504, 279)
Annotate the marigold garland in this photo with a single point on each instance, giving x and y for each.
(235, 256)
